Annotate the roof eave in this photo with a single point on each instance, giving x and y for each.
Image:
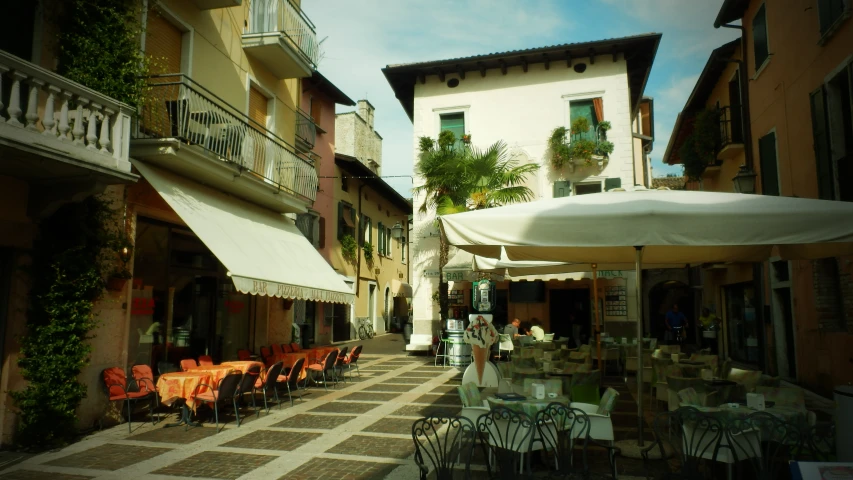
(730, 11)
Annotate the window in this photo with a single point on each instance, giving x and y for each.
(585, 188)
(380, 234)
(832, 131)
(744, 330)
(611, 183)
(366, 233)
(829, 12)
(592, 110)
(309, 225)
(346, 220)
(760, 46)
(562, 188)
(454, 122)
(403, 249)
(258, 108)
(389, 251)
(344, 182)
(768, 165)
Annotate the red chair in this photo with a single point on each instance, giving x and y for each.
(144, 377)
(276, 350)
(352, 359)
(295, 347)
(244, 355)
(205, 361)
(267, 356)
(339, 363)
(327, 363)
(285, 347)
(291, 380)
(188, 363)
(115, 381)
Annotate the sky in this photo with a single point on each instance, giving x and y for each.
(360, 37)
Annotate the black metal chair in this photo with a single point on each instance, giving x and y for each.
(326, 364)
(291, 380)
(247, 383)
(340, 363)
(228, 390)
(443, 444)
(507, 437)
(560, 428)
(268, 384)
(693, 436)
(763, 444)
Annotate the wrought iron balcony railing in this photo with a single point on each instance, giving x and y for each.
(283, 17)
(177, 107)
(306, 130)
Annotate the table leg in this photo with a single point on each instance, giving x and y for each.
(185, 419)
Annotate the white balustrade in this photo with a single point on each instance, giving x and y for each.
(83, 117)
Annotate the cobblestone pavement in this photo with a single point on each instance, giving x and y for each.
(358, 430)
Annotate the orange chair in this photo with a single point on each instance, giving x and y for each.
(244, 355)
(285, 347)
(326, 364)
(188, 363)
(291, 380)
(205, 361)
(267, 356)
(144, 377)
(276, 350)
(295, 347)
(352, 359)
(115, 381)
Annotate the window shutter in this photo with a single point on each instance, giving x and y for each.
(321, 232)
(611, 183)
(258, 104)
(562, 188)
(759, 37)
(828, 13)
(163, 43)
(820, 135)
(380, 249)
(767, 163)
(389, 242)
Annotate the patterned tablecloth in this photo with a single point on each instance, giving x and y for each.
(797, 416)
(317, 353)
(243, 365)
(529, 406)
(216, 372)
(288, 359)
(181, 385)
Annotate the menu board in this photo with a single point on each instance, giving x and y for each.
(616, 301)
(456, 297)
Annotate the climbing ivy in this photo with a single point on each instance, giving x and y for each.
(99, 47)
(74, 253)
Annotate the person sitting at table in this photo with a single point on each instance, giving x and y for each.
(512, 328)
(524, 328)
(536, 330)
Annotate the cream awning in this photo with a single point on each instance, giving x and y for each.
(401, 289)
(263, 251)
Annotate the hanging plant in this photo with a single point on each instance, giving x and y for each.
(579, 149)
(699, 149)
(368, 252)
(349, 248)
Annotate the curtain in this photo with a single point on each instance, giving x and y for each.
(598, 104)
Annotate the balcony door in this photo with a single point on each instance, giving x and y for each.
(163, 114)
(736, 126)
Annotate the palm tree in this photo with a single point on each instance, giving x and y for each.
(459, 178)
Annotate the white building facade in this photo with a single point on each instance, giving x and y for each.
(520, 97)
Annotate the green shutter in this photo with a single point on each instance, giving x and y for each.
(759, 37)
(611, 183)
(584, 108)
(767, 163)
(820, 135)
(380, 240)
(455, 122)
(562, 188)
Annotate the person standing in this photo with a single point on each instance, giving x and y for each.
(676, 323)
(709, 322)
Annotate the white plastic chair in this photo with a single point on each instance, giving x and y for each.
(505, 345)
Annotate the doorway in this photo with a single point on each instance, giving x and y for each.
(661, 299)
(567, 302)
(371, 304)
(388, 303)
(340, 321)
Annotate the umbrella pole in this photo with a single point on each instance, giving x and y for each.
(595, 312)
(639, 283)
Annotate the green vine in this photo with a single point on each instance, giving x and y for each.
(99, 47)
(368, 252)
(700, 148)
(579, 150)
(75, 252)
(349, 248)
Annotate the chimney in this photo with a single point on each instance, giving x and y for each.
(365, 111)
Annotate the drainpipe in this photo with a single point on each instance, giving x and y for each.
(357, 237)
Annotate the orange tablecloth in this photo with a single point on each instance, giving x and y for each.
(243, 365)
(182, 384)
(288, 359)
(317, 353)
(216, 372)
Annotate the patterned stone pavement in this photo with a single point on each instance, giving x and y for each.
(358, 430)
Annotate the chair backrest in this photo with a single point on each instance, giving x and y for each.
(469, 393)
(285, 347)
(295, 347)
(115, 381)
(747, 378)
(244, 355)
(188, 363)
(293, 377)
(700, 436)
(276, 349)
(549, 337)
(342, 357)
(561, 429)
(144, 377)
(353, 356)
(250, 376)
(272, 374)
(608, 401)
(689, 397)
(167, 367)
(228, 387)
(329, 361)
(205, 360)
(767, 442)
(441, 443)
(506, 430)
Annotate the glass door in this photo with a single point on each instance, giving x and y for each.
(744, 332)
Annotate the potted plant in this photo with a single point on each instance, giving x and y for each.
(466, 138)
(368, 252)
(349, 248)
(699, 149)
(119, 279)
(580, 150)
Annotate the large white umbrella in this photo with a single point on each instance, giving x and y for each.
(656, 226)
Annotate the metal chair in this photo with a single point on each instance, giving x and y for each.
(508, 436)
(268, 384)
(694, 436)
(339, 363)
(328, 363)
(560, 429)
(205, 361)
(438, 350)
(144, 378)
(443, 443)
(115, 382)
(188, 363)
(247, 383)
(505, 345)
(352, 360)
(228, 390)
(766, 441)
(291, 380)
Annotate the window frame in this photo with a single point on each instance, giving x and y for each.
(772, 131)
(595, 123)
(465, 110)
(759, 67)
(599, 182)
(829, 30)
(344, 229)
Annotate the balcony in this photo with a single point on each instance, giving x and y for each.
(306, 132)
(214, 4)
(731, 132)
(282, 38)
(58, 132)
(187, 129)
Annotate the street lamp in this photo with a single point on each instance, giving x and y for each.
(397, 230)
(744, 180)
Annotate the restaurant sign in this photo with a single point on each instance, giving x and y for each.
(454, 276)
(611, 274)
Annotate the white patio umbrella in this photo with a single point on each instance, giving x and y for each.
(656, 226)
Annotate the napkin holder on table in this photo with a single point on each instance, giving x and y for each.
(755, 400)
(538, 390)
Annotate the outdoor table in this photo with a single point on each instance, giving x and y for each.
(316, 354)
(217, 372)
(520, 374)
(727, 413)
(530, 406)
(723, 389)
(179, 387)
(692, 369)
(242, 365)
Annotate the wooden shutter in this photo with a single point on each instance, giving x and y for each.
(163, 42)
(389, 242)
(767, 163)
(759, 37)
(562, 188)
(258, 108)
(611, 183)
(820, 135)
(381, 239)
(322, 231)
